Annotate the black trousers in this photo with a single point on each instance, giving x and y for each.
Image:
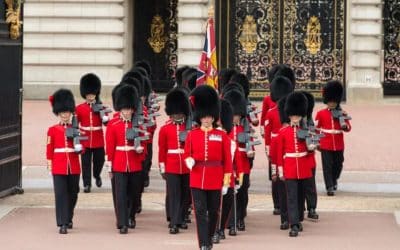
(127, 187)
(206, 209)
(97, 156)
(332, 165)
(243, 198)
(178, 196)
(274, 187)
(66, 189)
(147, 162)
(227, 209)
(281, 190)
(311, 195)
(295, 199)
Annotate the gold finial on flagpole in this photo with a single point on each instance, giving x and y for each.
(211, 11)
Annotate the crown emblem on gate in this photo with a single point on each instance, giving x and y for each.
(248, 37)
(157, 39)
(313, 39)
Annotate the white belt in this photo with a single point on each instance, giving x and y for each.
(125, 148)
(175, 151)
(90, 128)
(331, 131)
(296, 155)
(242, 149)
(64, 150)
(274, 135)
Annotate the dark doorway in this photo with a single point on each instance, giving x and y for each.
(10, 107)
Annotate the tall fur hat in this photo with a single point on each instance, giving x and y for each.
(237, 100)
(296, 104)
(282, 70)
(205, 102)
(135, 83)
(243, 81)
(226, 115)
(62, 100)
(144, 64)
(310, 103)
(280, 87)
(333, 91)
(126, 97)
(177, 102)
(134, 73)
(114, 93)
(232, 85)
(189, 77)
(224, 77)
(147, 87)
(90, 84)
(191, 83)
(281, 109)
(142, 71)
(178, 75)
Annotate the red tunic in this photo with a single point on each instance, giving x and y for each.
(292, 155)
(60, 151)
(170, 150)
(120, 152)
(211, 152)
(90, 125)
(330, 127)
(240, 159)
(266, 105)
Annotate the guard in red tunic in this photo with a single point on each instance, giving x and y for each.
(91, 125)
(124, 158)
(207, 155)
(170, 157)
(332, 122)
(63, 159)
(294, 166)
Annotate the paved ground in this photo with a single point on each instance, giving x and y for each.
(361, 216)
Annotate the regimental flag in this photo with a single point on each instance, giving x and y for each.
(207, 71)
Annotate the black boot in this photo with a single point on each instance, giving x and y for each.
(330, 191)
(215, 238)
(232, 231)
(86, 189)
(123, 230)
(99, 183)
(294, 231)
(241, 226)
(300, 227)
(276, 211)
(312, 214)
(222, 234)
(63, 229)
(70, 225)
(174, 230)
(132, 223)
(285, 225)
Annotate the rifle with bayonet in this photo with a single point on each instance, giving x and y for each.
(134, 133)
(252, 113)
(337, 113)
(74, 133)
(308, 133)
(102, 110)
(188, 126)
(247, 137)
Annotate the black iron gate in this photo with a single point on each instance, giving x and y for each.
(309, 35)
(391, 13)
(155, 39)
(10, 97)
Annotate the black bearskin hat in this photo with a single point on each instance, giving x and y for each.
(142, 71)
(281, 108)
(62, 100)
(191, 83)
(135, 83)
(280, 87)
(282, 70)
(224, 77)
(232, 85)
(134, 73)
(226, 115)
(114, 93)
(310, 103)
(147, 88)
(177, 102)
(178, 75)
(333, 91)
(205, 102)
(238, 102)
(90, 84)
(144, 64)
(243, 81)
(296, 104)
(189, 77)
(126, 97)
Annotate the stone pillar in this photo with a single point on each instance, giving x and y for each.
(192, 18)
(364, 51)
(64, 39)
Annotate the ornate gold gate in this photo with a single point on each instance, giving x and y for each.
(309, 35)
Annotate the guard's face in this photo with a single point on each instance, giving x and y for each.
(207, 121)
(236, 119)
(332, 105)
(177, 117)
(65, 116)
(90, 98)
(295, 119)
(126, 113)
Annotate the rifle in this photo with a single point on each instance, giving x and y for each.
(153, 102)
(133, 134)
(188, 126)
(252, 113)
(102, 110)
(247, 136)
(337, 113)
(308, 133)
(74, 134)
